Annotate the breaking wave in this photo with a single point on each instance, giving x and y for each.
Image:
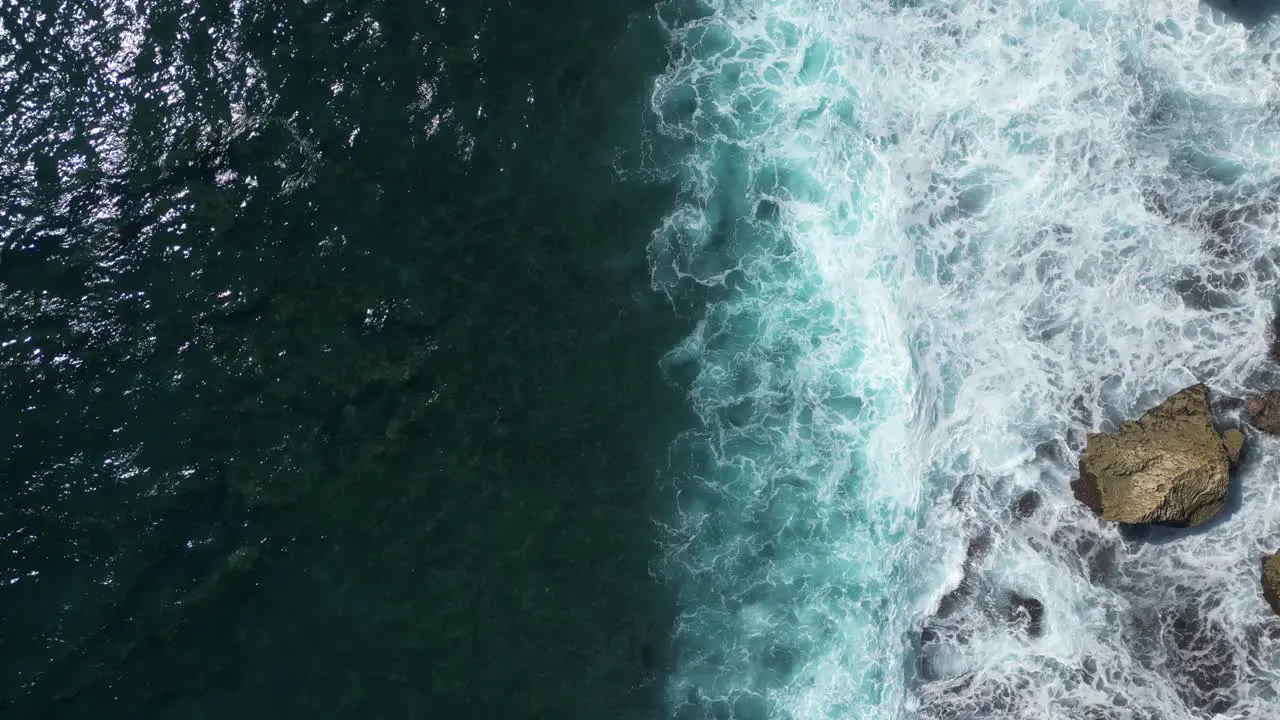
(930, 246)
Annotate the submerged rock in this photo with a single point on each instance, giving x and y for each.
(1225, 404)
(1199, 656)
(1027, 614)
(1027, 505)
(977, 549)
(1208, 290)
(1170, 466)
(1271, 581)
(967, 490)
(1273, 348)
(1230, 227)
(1263, 412)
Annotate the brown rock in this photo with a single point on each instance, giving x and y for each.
(1271, 581)
(1085, 488)
(1168, 467)
(1233, 440)
(1263, 412)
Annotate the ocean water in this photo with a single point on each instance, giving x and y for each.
(698, 359)
(929, 246)
(328, 361)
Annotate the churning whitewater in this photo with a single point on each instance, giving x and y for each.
(931, 245)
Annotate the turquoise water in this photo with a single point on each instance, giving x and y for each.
(929, 246)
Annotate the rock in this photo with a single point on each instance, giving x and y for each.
(1027, 505)
(954, 600)
(1101, 561)
(1157, 203)
(976, 551)
(947, 627)
(1273, 350)
(1271, 581)
(1229, 227)
(1169, 467)
(1085, 488)
(960, 494)
(1100, 556)
(1052, 451)
(1233, 440)
(1081, 412)
(1207, 290)
(1200, 658)
(1027, 613)
(967, 490)
(1263, 412)
(1225, 404)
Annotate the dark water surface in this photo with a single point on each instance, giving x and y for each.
(328, 360)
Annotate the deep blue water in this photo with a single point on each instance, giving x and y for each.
(328, 363)
(706, 359)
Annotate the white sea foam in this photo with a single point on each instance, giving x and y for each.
(923, 239)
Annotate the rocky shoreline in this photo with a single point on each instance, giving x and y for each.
(1172, 466)
(1165, 473)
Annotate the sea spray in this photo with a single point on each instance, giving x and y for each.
(924, 239)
